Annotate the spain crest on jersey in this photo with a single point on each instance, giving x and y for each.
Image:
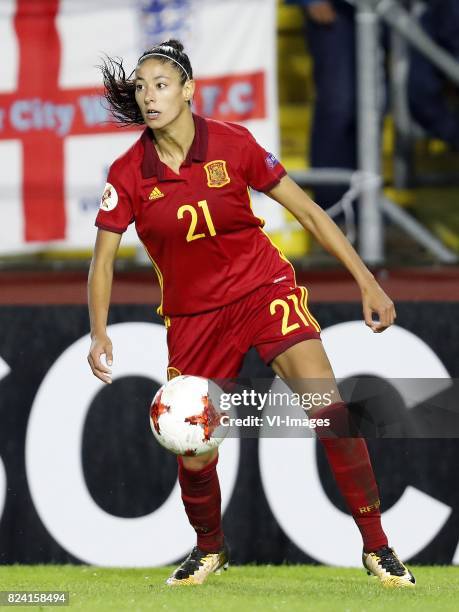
(217, 174)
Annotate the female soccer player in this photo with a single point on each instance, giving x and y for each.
(225, 287)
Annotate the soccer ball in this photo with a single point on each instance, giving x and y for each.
(183, 416)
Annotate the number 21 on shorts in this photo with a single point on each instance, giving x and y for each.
(292, 319)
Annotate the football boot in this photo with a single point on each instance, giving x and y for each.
(387, 567)
(198, 566)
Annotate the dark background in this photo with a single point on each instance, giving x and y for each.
(130, 475)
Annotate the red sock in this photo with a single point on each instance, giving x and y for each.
(351, 466)
(202, 500)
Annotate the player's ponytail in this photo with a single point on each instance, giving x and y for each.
(175, 44)
(120, 92)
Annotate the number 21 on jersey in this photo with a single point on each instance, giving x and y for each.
(300, 309)
(194, 213)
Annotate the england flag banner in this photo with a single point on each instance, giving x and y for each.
(57, 137)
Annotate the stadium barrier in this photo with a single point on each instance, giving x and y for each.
(82, 480)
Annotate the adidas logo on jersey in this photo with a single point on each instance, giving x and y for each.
(155, 194)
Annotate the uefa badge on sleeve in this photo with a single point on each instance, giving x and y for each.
(109, 198)
(271, 161)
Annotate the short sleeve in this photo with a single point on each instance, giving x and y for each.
(115, 209)
(262, 170)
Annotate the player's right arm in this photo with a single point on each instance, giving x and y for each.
(99, 292)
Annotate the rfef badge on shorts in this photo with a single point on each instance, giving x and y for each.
(109, 198)
(217, 174)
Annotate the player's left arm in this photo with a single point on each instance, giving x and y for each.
(328, 234)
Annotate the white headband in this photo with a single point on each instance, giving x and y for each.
(169, 58)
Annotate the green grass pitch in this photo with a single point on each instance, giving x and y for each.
(240, 589)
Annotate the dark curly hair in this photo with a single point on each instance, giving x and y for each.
(120, 88)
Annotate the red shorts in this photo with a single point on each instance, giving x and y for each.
(213, 344)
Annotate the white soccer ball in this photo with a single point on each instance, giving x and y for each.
(183, 417)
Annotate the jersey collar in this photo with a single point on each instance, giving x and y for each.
(153, 166)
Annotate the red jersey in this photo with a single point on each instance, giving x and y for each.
(206, 245)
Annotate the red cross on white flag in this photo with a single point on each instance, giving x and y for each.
(55, 142)
(52, 122)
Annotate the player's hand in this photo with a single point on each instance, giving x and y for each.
(321, 12)
(101, 345)
(375, 301)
